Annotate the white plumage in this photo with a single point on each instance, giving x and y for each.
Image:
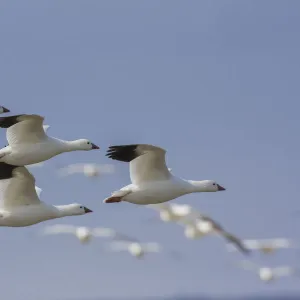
(152, 181)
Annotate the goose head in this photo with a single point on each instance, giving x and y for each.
(206, 186)
(74, 209)
(84, 144)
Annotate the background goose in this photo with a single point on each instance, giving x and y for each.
(29, 144)
(204, 225)
(84, 234)
(135, 248)
(266, 246)
(151, 180)
(3, 110)
(20, 204)
(172, 212)
(89, 170)
(269, 274)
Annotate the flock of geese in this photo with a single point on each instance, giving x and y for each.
(152, 185)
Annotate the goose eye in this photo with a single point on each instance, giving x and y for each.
(214, 184)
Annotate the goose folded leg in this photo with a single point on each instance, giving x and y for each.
(118, 195)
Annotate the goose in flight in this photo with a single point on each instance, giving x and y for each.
(20, 205)
(3, 110)
(29, 144)
(268, 274)
(134, 247)
(204, 225)
(88, 170)
(173, 212)
(266, 246)
(83, 233)
(151, 181)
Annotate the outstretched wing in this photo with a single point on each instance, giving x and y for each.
(147, 162)
(23, 128)
(18, 188)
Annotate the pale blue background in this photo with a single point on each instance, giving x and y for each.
(216, 83)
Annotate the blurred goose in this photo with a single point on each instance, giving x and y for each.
(204, 225)
(84, 234)
(151, 180)
(269, 274)
(172, 212)
(29, 144)
(3, 110)
(266, 246)
(89, 170)
(20, 205)
(135, 248)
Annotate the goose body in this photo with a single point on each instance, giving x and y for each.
(29, 144)
(87, 169)
(197, 225)
(83, 233)
(269, 274)
(266, 246)
(152, 181)
(19, 200)
(135, 248)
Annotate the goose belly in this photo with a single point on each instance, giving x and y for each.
(24, 217)
(30, 154)
(154, 193)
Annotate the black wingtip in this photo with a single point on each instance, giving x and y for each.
(5, 109)
(125, 153)
(6, 122)
(6, 170)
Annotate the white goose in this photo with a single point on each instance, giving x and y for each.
(20, 205)
(135, 248)
(40, 164)
(173, 212)
(28, 143)
(204, 225)
(269, 274)
(88, 170)
(83, 233)
(266, 246)
(3, 110)
(151, 180)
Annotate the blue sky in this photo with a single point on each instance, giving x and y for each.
(216, 83)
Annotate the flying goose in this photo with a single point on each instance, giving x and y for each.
(269, 274)
(204, 225)
(83, 233)
(29, 144)
(151, 181)
(266, 246)
(173, 212)
(20, 205)
(87, 169)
